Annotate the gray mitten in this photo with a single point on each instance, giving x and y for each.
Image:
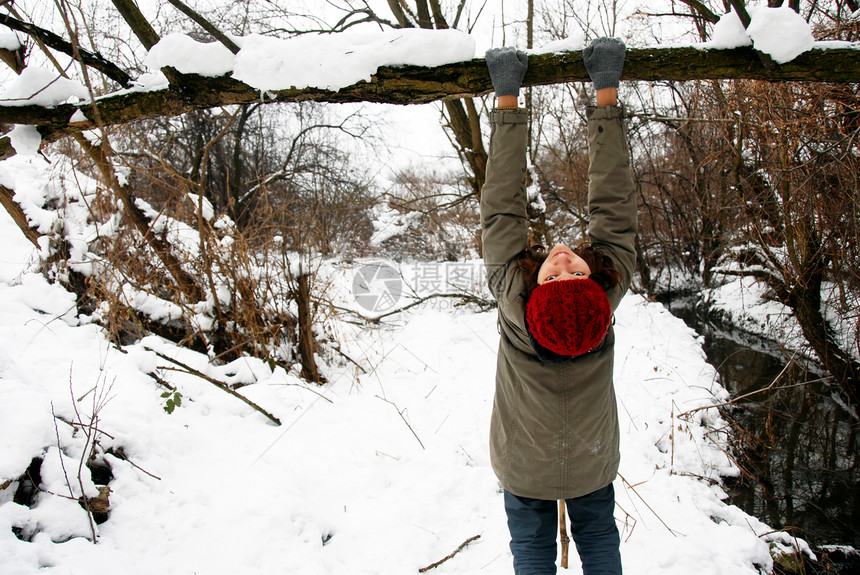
(604, 60)
(507, 68)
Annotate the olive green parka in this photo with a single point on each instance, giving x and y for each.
(554, 426)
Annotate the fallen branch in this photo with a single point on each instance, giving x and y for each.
(771, 387)
(460, 548)
(219, 384)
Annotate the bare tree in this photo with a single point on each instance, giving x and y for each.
(763, 175)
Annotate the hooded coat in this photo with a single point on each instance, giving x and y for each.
(554, 426)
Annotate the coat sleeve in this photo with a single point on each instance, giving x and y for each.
(503, 201)
(611, 199)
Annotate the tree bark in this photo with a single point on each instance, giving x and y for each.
(206, 25)
(804, 299)
(137, 22)
(7, 200)
(307, 341)
(421, 85)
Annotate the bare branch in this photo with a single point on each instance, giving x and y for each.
(702, 11)
(397, 9)
(460, 548)
(206, 25)
(138, 22)
(48, 38)
(185, 368)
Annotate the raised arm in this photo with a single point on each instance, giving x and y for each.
(611, 199)
(503, 197)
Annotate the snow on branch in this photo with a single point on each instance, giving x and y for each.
(420, 85)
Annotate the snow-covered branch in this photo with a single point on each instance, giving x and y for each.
(420, 85)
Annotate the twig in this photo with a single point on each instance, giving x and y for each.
(400, 413)
(60, 450)
(119, 454)
(627, 519)
(771, 387)
(74, 425)
(465, 298)
(460, 548)
(161, 381)
(91, 437)
(350, 359)
(305, 387)
(219, 384)
(651, 509)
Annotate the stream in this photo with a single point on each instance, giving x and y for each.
(798, 448)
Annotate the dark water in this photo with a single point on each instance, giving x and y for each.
(798, 447)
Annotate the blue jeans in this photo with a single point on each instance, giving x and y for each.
(534, 530)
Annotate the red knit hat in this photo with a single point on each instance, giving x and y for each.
(568, 317)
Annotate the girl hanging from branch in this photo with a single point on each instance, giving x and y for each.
(554, 428)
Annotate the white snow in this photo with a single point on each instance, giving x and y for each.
(383, 470)
(387, 464)
(388, 222)
(780, 32)
(25, 139)
(190, 56)
(335, 61)
(570, 44)
(328, 61)
(77, 117)
(9, 39)
(41, 87)
(729, 32)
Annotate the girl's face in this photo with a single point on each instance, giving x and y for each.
(562, 264)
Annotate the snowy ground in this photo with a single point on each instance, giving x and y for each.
(387, 464)
(383, 471)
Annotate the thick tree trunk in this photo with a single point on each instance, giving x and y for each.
(805, 301)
